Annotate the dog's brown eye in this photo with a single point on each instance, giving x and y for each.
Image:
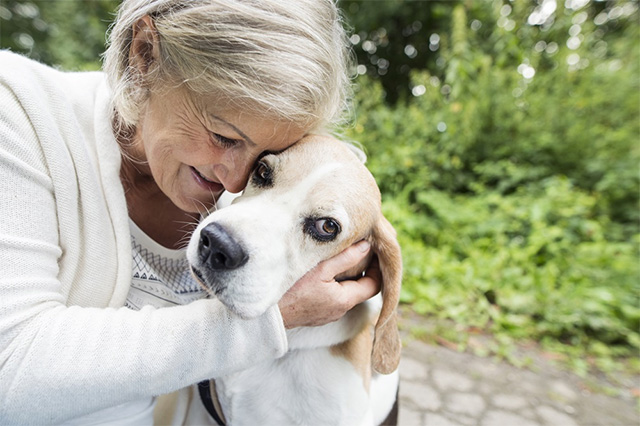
(323, 229)
(263, 175)
(327, 227)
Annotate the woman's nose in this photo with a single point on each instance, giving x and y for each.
(234, 175)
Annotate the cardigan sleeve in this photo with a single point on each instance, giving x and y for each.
(59, 361)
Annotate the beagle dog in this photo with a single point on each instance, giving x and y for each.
(300, 207)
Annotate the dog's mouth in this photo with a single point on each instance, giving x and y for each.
(219, 290)
(204, 282)
(198, 275)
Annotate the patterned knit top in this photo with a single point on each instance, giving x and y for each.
(161, 276)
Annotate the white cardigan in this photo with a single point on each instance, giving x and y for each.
(68, 347)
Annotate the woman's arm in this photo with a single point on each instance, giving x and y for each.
(57, 361)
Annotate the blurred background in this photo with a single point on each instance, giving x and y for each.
(505, 137)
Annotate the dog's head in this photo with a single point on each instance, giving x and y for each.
(300, 207)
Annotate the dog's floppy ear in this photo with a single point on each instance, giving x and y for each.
(386, 344)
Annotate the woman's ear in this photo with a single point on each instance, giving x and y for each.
(145, 46)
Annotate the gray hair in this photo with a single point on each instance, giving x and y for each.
(282, 59)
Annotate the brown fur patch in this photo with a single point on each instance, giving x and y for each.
(357, 351)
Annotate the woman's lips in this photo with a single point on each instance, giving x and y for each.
(206, 183)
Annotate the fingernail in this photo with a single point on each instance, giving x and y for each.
(364, 246)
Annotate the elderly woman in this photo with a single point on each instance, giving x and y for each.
(102, 177)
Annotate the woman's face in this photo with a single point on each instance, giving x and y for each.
(194, 150)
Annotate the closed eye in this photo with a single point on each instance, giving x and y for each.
(223, 141)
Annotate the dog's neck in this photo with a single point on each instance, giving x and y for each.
(335, 332)
(296, 380)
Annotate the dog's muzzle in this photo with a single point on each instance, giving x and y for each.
(218, 250)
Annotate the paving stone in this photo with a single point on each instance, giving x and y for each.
(562, 390)
(527, 412)
(448, 380)
(553, 417)
(487, 368)
(410, 369)
(420, 350)
(465, 403)
(422, 395)
(410, 417)
(432, 419)
(509, 402)
(486, 388)
(504, 418)
(444, 387)
(531, 388)
(464, 420)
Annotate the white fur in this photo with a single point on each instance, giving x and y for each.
(310, 384)
(315, 386)
(310, 396)
(383, 391)
(335, 332)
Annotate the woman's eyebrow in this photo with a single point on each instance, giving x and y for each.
(238, 131)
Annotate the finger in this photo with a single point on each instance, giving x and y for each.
(373, 270)
(358, 291)
(349, 258)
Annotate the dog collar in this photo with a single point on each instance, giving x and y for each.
(209, 397)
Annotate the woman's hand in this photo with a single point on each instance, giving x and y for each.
(317, 298)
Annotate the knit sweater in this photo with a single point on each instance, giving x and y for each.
(68, 346)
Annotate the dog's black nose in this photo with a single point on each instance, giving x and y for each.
(218, 250)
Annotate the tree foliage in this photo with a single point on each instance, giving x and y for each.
(504, 136)
(511, 173)
(66, 33)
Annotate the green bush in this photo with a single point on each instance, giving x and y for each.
(516, 199)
